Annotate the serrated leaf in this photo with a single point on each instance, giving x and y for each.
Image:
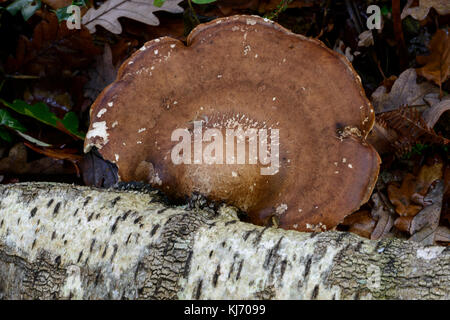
(108, 13)
(9, 121)
(40, 111)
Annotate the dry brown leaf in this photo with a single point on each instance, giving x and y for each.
(408, 199)
(425, 223)
(101, 75)
(437, 65)
(442, 234)
(53, 50)
(404, 91)
(108, 14)
(421, 11)
(403, 223)
(400, 130)
(361, 223)
(432, 115)
(384, 217)
(16, 163)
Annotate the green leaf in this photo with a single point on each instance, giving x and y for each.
(203, 1)
(158, 3)
(5, 135)
(7, 120)
(26, 7)
(40, 111)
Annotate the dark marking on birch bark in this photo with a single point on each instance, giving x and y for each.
(230, 222)
(56, 210)
(92, 245)
(259, 236)
(247, 234)
(128, 239)
(32, 213)
(154, 229)
(187, 266)
(88, 198)
(49, 203)
(90, 216)
(116, 247)
(238, 275)
(114, 226)
(114, 201)
(53, 235)
(161, 210)
(125, 215)
(79, 256)
(198, 291)
(76, 211)
(137, 220)
(315, 292)
(104, 251)
(216, 276)
(307, 267)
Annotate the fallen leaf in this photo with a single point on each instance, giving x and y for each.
(384, 217)
(41, 112)
(421, 11)
(96, 171)
(53, 50)
(108, 14)
(400, 130)
(429, 215)
(427, 220)
(442, 234)
(360, 222)
(404, 91)
(102, 75)
(432, 114)
(16, 163)
(436, 65)
(409, 198)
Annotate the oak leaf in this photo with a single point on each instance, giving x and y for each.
(437, 64)
(108, 14)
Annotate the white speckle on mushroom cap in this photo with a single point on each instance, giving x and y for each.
(344, 160)
(110, 104)
(131, 62)
(156, 51)
(350, 166)
(139, 142)
(172, 46)
(115, 123)
(116, 156)
(251, 22)
(101, 112)
(99, 129)
(157, 40)
(143, 48)
(142, 130)
(281, 209)
(234, 174)
(247, 49)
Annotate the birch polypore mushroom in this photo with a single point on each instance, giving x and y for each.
(247, 113)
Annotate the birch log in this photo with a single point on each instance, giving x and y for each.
(61, 241)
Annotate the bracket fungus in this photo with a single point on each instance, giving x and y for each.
(247, 113)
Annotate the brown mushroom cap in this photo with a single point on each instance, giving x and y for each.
(250, 72)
